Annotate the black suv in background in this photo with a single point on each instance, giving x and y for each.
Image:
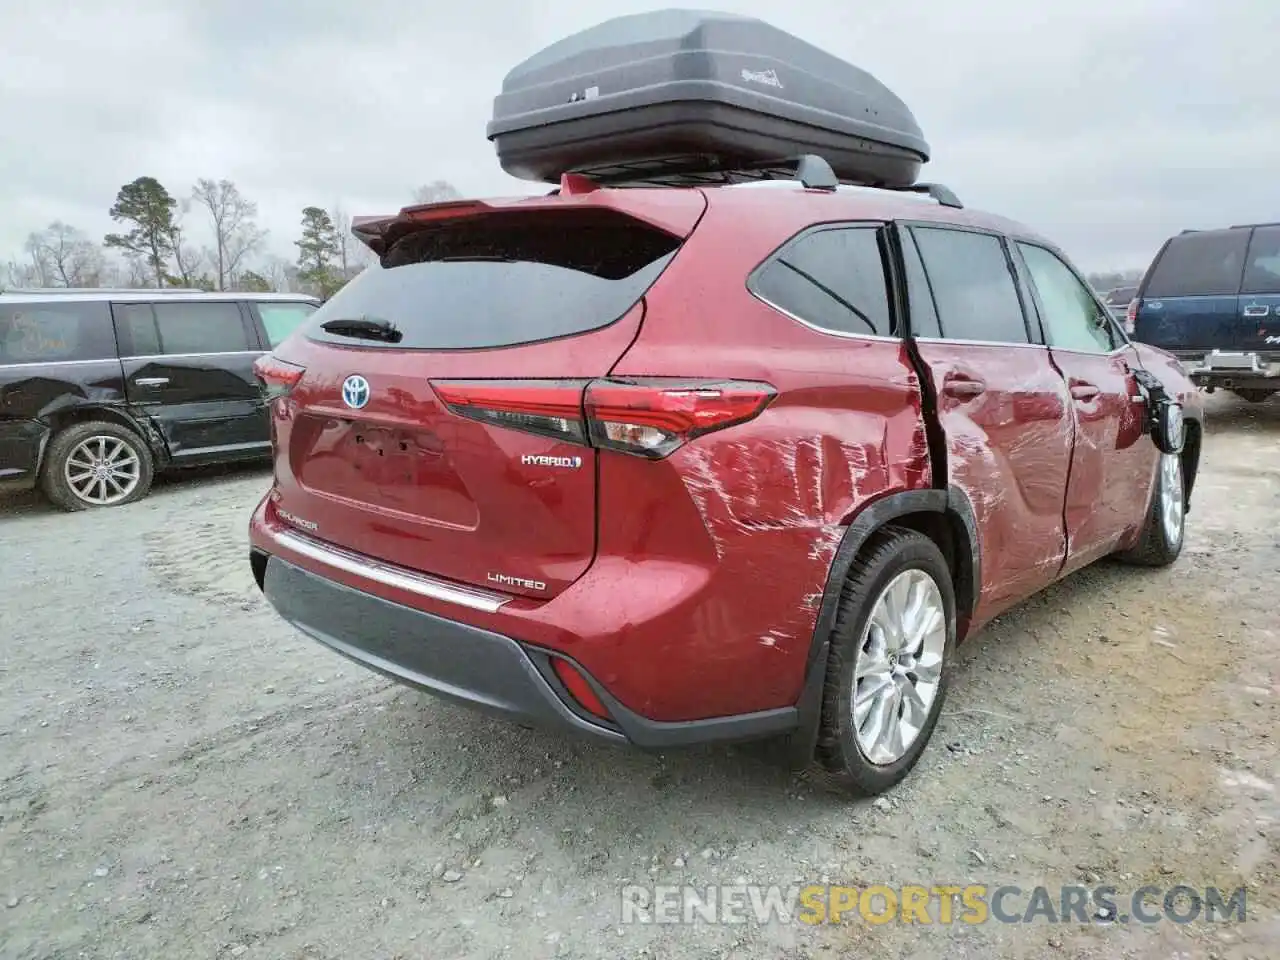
(1212, 298)
(99, 389)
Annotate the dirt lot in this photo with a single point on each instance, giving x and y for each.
(183, 776)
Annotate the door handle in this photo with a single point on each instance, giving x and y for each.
(1257, 311)
(1084, 391)
(151, 381)
(962, 386)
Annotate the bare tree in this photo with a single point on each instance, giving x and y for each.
(187, 260)
(235, 232)
(276, 270)
(71, 257)
(437, 191)
(40, 273)
(18, 273)
(353, 256)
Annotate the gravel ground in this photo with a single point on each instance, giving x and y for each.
(183, 776)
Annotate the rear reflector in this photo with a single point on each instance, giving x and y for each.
(649, 417)
(578, 688)
(277, 376)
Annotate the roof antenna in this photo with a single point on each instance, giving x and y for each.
(814, 173)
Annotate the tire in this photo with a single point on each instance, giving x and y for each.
(847, 761)
(1254, 396)
(83, 443)
(1161, 542)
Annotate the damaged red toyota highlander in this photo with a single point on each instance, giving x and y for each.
(668, 462)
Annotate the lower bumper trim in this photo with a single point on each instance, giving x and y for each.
(474, 667)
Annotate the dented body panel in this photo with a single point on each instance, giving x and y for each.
(1005, 412)
(36, 397)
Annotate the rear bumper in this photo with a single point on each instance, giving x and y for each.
(1229, 370)
(21, 447)
(472, 666)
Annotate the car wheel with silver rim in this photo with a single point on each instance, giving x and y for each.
(888, 666)
(1164, 528)
(97, 464)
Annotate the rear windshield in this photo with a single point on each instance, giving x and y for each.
(1201, 264)
(56, 332)
(503, 279)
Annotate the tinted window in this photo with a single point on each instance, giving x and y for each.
(136, 329)
(281, 319)
(51, 332)
(1120, 296)
(210, 327)
(924, 315)
(1262, 274)
(972, 285)
(1208, 263)
(497, 281)
(1072, 319)
(833, 279)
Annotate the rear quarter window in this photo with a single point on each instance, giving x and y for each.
(1207, 263)
(833, 278)
(52, 332)
(503, 280)
(279, 320)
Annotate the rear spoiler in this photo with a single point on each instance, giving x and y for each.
(673, 211)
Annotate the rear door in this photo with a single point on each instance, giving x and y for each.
(1112, 462)
(1002, 404)
(1189, 302)
(402, 449)
(1259, 324)
(189, 365)
(55, 354)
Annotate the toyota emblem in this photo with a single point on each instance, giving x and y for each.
(355, 391)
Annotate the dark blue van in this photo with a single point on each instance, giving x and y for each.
(1212, 299)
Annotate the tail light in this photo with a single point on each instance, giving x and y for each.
(649, 417)
(277, 377)
(1131, 317)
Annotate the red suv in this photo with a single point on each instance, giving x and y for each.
(676, 465)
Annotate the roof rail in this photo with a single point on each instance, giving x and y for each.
(63, 290)
(944, 195)
(1246, 226)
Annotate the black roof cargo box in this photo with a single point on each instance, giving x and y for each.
(687, 96)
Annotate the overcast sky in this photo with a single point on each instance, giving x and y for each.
(1104, 124)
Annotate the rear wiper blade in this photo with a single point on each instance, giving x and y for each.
(363, 328)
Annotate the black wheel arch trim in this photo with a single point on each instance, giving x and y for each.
(62, 417)
(952, 502)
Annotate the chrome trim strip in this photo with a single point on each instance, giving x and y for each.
(981, 343)
(59, 363)
(388, 575)
(813, 326)
(117, 360)
(181, 356)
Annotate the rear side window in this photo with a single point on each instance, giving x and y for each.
(833, 279)
(1208, 263)
(503, 280)
(155, 329)
(281, 319)
(1262, 274)
(55, 332)
(972, 285)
